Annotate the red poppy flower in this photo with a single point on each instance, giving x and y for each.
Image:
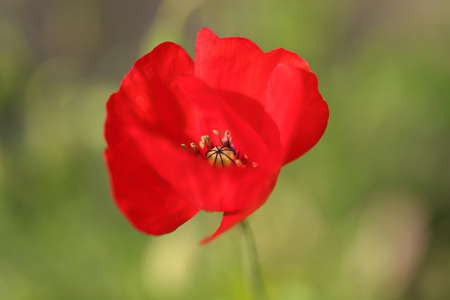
(208, 134)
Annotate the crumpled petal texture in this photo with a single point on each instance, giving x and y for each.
(269, 102)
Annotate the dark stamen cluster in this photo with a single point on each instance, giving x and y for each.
(220, 156)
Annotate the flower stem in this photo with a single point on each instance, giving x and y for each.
(254, 268)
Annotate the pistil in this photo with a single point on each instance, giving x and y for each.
(219, 155)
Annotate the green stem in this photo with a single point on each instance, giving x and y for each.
(254, 268)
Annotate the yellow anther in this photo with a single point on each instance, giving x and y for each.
(207, 141)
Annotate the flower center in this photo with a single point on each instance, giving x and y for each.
(222, 154)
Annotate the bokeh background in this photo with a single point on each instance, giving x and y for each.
(364, 215)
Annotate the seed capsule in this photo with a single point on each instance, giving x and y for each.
(221, 157)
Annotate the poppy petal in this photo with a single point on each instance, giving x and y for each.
(145, 97)
(295, 104)
(207, 187)
(230, 219)
(148, 201)
(244, 67)
(251, 126)
(254, 114)
(212, 108)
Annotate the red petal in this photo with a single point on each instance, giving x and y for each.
(295, 104)
(254, 114)
(229, 220)
(145, 98)
(213, 112)
(209, 188)
(148, 201)
(237, 64)
(146, 101)
(244, 116)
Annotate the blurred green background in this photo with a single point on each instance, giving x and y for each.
(364, 215)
